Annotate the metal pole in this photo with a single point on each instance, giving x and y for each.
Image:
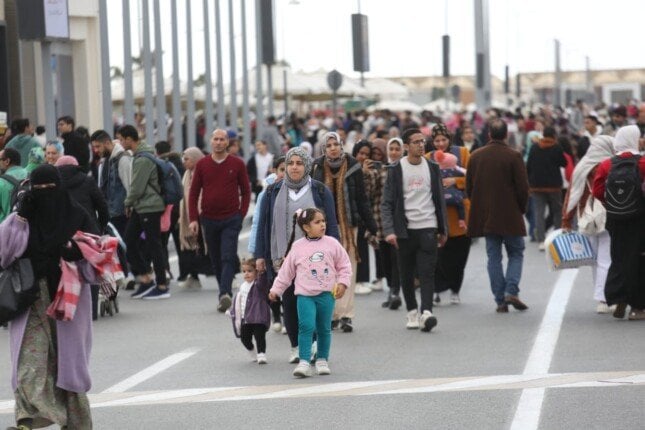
(334, 103)
(270, 88)
(221, 108)
(147, 76)
(48, 89)
(591, 95)
(557, 99)
(246, 135)
(286, 93)
(162, 125)
(231, 35)
(208, 81)
(487, 80)
(482, 81)
(178, 141)
(128, 97)
(259, 94)
(105, 69)
(190, 100)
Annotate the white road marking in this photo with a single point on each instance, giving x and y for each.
(151, 371)
(529, 408)
(315, 388)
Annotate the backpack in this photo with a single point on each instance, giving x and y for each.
(171, 188)
(623, 194)
(18, 188)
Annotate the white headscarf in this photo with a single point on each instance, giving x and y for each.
(389, 142)
(601, 148)
(626, 139)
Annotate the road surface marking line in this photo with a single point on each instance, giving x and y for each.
(363, 388)
(529, 408)
(151, 371)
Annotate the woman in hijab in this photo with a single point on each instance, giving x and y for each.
(362, 152)
(575, 201)
(282, 199)
(190, 246)
(453, 256)
(342, 175)
(626, 277)
(50, 358)
(36, 158)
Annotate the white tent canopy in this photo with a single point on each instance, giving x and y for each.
(396, 105)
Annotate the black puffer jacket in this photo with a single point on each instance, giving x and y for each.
(86, 193)
(357, 203)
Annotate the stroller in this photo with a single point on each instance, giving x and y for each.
(108, 302)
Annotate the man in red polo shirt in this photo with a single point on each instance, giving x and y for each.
(222, 184)
(625, 283)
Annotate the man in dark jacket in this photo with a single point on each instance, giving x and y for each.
(498, 188)
(545, 181)
(74, 143)
(413, 214)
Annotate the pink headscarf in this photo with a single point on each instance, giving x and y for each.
(66, 160)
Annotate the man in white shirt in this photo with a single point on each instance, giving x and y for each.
(413, 215)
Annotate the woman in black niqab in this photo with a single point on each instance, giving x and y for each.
(53, 219)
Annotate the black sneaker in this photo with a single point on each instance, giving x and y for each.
(144, 288)
(395, 303)
(346, 325)
(437, 299)
(334, 324)
(386, 304)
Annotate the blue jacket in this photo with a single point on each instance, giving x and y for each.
(323, 199)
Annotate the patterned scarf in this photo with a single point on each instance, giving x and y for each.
(336, 183)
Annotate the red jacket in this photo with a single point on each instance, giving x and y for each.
(603, 171)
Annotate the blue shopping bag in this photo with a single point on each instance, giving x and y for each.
(569, 250)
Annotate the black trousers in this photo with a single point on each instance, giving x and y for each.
(418, 251)
(290, 314)
(626, 277)
(387, 258)
(149, 224)
(451, 264)
(363, 267)
(257, 331)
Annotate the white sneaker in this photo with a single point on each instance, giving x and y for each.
(262, 358)
(377, 285)
(302, 370)
(251, 353)
(284, 330)
(294, 356)
(322, 367)
(413, 319)
(187, 283)
(362, 289)
(541, 247)
(277, 327)
(427, 321)
(195, 283)
(454, 299)
(602, 308)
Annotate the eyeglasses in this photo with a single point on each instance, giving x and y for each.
(418, 142)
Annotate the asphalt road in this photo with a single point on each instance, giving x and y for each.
(175, 364)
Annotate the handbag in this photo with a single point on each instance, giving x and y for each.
(568, 250)
(591, 221)
(18, 289)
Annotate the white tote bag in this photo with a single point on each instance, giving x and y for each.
(591, 220)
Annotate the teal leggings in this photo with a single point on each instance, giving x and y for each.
(314, 313)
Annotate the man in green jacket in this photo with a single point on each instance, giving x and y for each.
(10, 166)
(23, 142)
(144, 206)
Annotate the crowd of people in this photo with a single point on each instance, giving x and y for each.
(409, 192)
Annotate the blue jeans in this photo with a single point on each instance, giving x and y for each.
(221, 238)
(501, 285)
(314, 313)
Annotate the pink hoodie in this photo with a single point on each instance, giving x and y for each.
(316, 265)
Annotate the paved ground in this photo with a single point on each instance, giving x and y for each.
(175, 364)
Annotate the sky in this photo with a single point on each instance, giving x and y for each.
(405, 35)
